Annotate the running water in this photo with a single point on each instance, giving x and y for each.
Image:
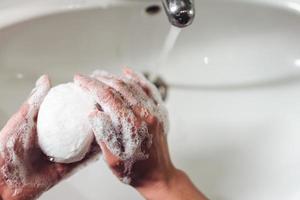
(168, 46)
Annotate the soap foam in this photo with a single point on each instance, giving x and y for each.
(116, 125)
(160, 111)
(17, 139)
(134, 138)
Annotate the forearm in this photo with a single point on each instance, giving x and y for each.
(26, 193)
(178, 187)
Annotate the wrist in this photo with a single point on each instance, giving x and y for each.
(3, 191)
(7, 193)
(155, 188)
(177, 187)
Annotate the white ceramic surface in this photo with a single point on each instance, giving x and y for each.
(234, 100)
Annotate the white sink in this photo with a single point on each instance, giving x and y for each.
(234, 80)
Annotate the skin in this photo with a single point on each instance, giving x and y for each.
(153, 176)
(35, 165)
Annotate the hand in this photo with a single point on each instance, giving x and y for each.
(132, 101)
(25, 172)
(128, 105)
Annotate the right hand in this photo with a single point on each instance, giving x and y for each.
(153, 175)
(123, 96)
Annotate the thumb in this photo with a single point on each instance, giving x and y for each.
(110, 158)
(117, 166)
(107, 139)
(105, 133)
(20, 129)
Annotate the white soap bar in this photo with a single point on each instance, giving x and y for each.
(64, 131)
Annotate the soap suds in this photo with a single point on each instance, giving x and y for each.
(16, 140)
(125, 135)
(121, 117)
(134, 82)
(116, 124)
(160, 111)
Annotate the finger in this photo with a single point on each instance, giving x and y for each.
(19, 134)
(109, 157)
(109, 142)
(122, 169)
(160, 110)
(123, 119)
(126, 87)
(109, 100)
(38, 94)
(43, 174)
(65, 170)
(34, 102)
(146, 107)
(116, 83)
(142, 105)
(30, 108)
(104, 131)
(23, 121)
(147, 86)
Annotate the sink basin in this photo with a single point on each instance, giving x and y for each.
(234, 79)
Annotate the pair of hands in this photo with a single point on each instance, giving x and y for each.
(25, 172)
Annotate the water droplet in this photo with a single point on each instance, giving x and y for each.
(51, 159)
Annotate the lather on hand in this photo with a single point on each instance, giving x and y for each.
(155, 177)
(25, 172)
(128, 105)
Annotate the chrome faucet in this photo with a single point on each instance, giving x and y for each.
(180, 12)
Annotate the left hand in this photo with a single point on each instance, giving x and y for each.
(25, 172)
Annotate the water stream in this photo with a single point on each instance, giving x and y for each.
(168, 46)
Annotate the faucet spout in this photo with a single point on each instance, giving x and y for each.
(180, 13)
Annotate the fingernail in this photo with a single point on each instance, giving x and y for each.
(43, 80)
(96, 124)
(42, 86)
(100, 73)
(127, 70)
(80, 79)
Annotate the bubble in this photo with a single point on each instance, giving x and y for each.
(51, 159)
